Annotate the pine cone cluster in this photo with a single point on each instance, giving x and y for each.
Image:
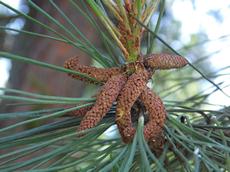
(126, 85)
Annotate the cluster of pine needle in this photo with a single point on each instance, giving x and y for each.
(174, 136)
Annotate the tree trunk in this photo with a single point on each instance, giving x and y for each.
(46, 81)
(41, 80)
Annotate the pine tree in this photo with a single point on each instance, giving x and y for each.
(125, 126)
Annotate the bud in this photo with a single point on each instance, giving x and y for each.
(165, 61)
(128, 95)
(156, 112)
(104, 101)
(100, 74)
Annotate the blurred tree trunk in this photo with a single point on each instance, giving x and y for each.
(46, 81)
(41, 80)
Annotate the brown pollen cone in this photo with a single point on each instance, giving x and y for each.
(165, 61)
(100, 74)
(157, 143)
(104, 101)
(128, 95)
(156, 112)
